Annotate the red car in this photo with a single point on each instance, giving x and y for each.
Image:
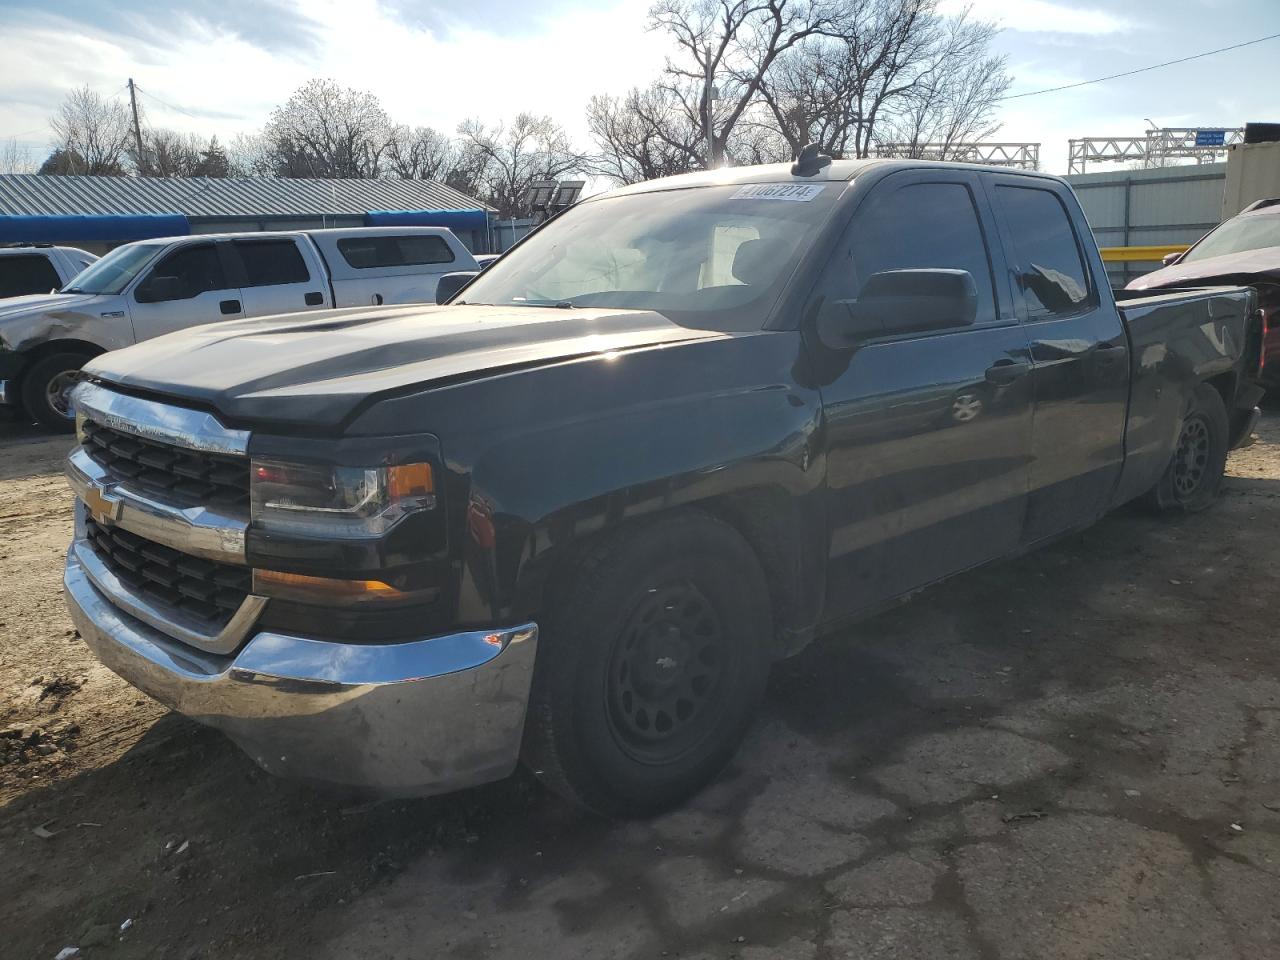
(1244, 250)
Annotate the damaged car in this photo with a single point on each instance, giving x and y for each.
(1244, 251)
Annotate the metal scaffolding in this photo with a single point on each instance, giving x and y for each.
(1156, 148)
(1025, 156)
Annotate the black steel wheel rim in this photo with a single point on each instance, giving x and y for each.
(1191, 460)
(667, 673)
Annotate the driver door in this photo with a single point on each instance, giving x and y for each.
(928, 433)
(187, 287)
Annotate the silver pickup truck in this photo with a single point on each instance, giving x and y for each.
(152, 287)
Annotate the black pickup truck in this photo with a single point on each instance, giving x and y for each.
(573, 516)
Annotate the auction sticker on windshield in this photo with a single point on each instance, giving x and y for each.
(803, 192)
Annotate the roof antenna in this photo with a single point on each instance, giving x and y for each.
(810, 161)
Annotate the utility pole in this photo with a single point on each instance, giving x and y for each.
(137, 128)
(709, 93)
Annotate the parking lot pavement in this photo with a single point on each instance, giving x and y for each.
(1071, 755)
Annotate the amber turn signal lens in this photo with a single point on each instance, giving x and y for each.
(306, 589)
(410, 480)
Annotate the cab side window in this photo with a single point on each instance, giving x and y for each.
(268, 263)
(921, 226)
(182, 275)
(1050, 269)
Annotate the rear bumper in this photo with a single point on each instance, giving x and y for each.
(406, 719)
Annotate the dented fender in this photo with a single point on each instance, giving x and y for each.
(29, 322)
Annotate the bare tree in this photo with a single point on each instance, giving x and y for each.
(92, 133)
(250, 155)
(167, 153)
(511, 157)
(887, 70)
(643, 135)
(15, 157)
(324, 130)
(732, 45)
(419, 154)
(954, 98)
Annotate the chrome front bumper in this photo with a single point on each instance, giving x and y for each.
(406, 719)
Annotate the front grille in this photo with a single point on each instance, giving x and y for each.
(209, 479)
(210, 592)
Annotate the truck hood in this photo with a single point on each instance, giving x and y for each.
(1234, 268)
(314, 372)
(28, 321)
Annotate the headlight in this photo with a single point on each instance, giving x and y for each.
(342, 502)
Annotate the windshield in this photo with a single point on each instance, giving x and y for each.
(1237, 236)
(712, 257)
(113, 272)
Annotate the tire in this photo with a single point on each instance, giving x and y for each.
(44, 389)
(654, 656)
(1191, 481)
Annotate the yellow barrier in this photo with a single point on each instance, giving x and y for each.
(1140, 254)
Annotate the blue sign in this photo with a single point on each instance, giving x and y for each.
(1210, 138)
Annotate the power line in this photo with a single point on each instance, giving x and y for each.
(164, 103)
(1130, 73)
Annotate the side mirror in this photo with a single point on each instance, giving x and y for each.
(900, 301)
(159, 289)
(1169, 259)
(449, 285)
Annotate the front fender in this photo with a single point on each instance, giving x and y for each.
(541, 460)
(101, 321)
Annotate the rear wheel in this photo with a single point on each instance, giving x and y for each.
(1194, 475)
(46, 390)
(653, 659)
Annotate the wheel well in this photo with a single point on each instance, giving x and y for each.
(50, 347)
(766, 518)
(1225, 384)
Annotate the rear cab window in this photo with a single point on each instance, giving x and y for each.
(366, 253)
(270, 263)
(1046, 252)
(27, 273)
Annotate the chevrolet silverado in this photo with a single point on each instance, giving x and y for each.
(572, 517)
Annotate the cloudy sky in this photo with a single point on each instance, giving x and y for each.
(219, 66)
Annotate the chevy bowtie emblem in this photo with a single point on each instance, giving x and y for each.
(102, 505)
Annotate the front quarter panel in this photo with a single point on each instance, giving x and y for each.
(101, 320)
(539, 460)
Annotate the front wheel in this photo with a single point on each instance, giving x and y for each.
(1191, 481)
(46, 390)
(654, 658)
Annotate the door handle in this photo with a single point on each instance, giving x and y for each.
(377, 299)
(229, 306)
(1007, 371)
(313, 299)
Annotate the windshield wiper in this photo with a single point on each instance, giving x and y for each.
(71, 290)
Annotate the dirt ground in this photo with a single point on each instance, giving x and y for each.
(1073, 755)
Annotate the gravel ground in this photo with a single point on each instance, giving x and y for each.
(1073, 755)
